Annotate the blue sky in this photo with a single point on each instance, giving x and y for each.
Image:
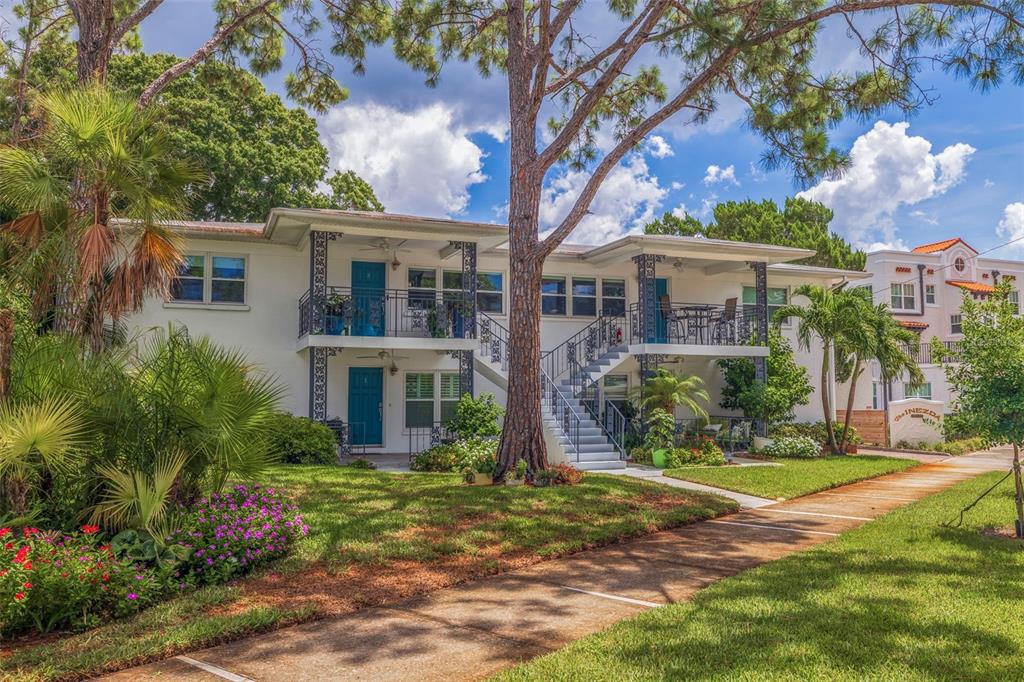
(954, 169)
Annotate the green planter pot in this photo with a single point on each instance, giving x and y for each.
(658, 458)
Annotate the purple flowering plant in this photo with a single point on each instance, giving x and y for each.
(234, 531)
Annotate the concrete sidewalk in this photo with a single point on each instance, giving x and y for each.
(474, 630)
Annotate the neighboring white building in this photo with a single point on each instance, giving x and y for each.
(377, 323)
(925, 288)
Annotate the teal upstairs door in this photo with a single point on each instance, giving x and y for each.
(660, 321)
(368, 283)
(366, 405)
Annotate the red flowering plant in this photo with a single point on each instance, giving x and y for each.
(559, 474)
(231, 532)
(52, 580)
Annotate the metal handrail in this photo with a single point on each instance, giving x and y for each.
(698, 324)
(615, 425)
(591, 342)
(425, 437)
(493, 338)
(921, 353)
(565, 416)
(362, 311)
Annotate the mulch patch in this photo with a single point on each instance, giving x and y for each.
(1007, 533)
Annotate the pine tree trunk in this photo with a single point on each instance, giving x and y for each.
(1019, 498)
(6, 350)
(523, 434)
(95, 23)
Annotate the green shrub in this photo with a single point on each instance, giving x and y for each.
(959, 426)
(456, 457)
(954, 447)
(697, 450)
(794, 446)
(814, 430)
(476, 417)
(560, 474)
(299, 440)
(661, 430)
(361, 464)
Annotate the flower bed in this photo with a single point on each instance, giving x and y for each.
(231, 532)
(51, 580)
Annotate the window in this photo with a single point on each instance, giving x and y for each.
(923, 391)
(874, 396)
(777, 297)
(929, 294)
(188, 286)
(616, 389)
(422, 283)
(449, 395)
(613, 297)
(426, 403)
(584, 296)
(954, 324)
(419, 399)
(552, 295)
(902, 297)
(1014, 298)
(207, 278)
(959, 264)
(489, 292)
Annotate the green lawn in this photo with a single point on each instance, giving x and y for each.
(375, 537)
(901, 598)
(795, 477)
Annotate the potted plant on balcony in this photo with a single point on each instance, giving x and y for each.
(334, 320)
(437, 322)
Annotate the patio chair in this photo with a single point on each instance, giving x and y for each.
(735, 438)
(725, 323)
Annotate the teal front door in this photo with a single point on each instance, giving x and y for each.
(368, 283)
(366, 405)
(661, 323)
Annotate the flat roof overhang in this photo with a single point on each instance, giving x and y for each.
(719, 254)
(292, 226)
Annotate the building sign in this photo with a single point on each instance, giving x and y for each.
(916, 421)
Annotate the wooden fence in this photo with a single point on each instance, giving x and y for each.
(870, 425)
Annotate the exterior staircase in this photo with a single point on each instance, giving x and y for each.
(583, 442)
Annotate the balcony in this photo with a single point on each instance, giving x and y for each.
(698, 324)
(394, 313)
(922, 354)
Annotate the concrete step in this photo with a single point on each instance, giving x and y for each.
(605, 464)
(596, 456)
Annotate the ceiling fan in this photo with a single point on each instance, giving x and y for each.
(389, 248)
(385, 356)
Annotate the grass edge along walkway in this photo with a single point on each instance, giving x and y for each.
(793, 477)
(485, 626)
(390, 536)
(901, 597)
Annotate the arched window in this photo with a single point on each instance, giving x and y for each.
(959, 264)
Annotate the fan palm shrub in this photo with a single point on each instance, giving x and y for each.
(36, 440)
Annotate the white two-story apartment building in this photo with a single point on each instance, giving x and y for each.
(925, 288)
(378, 323)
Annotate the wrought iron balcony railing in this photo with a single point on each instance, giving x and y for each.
(922, 352)
(348, 311)
(703, 324)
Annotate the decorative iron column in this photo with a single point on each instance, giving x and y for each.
(469, 287)
(465, 372)
(318, 278)
(645, 323)
(318, 356)
(761, 305)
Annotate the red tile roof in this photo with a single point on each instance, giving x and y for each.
(942, 246)
(973, 287)
(911, 324)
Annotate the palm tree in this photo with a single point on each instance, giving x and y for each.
(91, 192)
(666, 390)
(835, 317)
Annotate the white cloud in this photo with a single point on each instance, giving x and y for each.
(924, 217)
(989, 183)
(888, 170)
(680, 211)
(420, 162)
(707, 205)
(716, 174)
(658, 147)
(1012, 225)
(629, 198)
(676, 185)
